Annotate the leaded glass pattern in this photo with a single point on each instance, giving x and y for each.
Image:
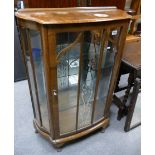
(82, 57)
(67, 79)
(108, 59)
(89, 66)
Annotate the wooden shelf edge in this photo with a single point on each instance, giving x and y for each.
(132, 38)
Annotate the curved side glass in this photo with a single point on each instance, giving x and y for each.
(39, 75)
(30, 72)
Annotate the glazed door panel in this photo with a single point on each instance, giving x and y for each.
(85, 64)
(76, 75)
(67, 79)
(90, 54)
(110, 49)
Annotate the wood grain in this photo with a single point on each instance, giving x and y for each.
(72, 15)
(52, 21)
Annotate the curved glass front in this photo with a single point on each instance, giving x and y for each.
(86, 61)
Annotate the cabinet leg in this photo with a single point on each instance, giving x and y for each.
(103, 130)
(36, 131)
(59, 147)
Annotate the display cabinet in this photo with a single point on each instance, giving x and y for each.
(72, 56)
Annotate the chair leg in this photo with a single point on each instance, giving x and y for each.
(117, 82)
(130, 81)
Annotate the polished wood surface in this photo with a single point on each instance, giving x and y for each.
(132, 51)
(132, 38)
(135, 5)
(131, 63)
(72, 15)
(76, 20)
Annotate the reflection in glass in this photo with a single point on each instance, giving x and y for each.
(89, 67)
(38, 65)
(107, 64)
(30, 72)
(78, 88)
(136, 118)
(67, 77)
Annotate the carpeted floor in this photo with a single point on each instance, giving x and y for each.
(113, 142)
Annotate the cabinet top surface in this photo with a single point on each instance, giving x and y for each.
(72, 15)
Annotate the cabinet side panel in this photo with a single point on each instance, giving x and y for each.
(36, 48)
(27, 60)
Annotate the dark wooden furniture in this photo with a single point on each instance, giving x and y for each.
(19, 68)
(131, 63)
(73, 3)
(134, 8)
(50, 3)
(133, 118)
(72, 57)
(118, 3)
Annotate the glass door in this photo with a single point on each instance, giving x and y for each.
(85, 64)
(68, 55)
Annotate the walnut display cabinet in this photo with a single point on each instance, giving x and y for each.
(72, 56)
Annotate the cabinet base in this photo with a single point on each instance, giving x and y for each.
(60, 141)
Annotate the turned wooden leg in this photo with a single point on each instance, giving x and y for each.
(130, 81)
(59, 149)
(122, 112)
(117, 82)
(122, 104)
